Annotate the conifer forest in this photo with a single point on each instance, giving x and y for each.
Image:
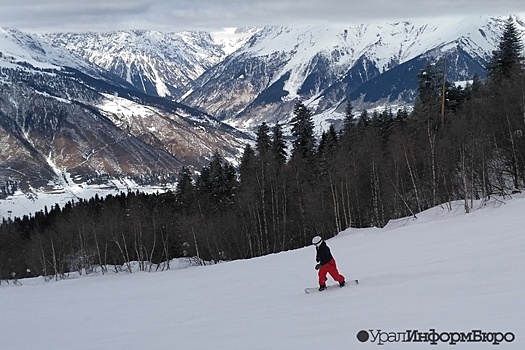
(457, 143)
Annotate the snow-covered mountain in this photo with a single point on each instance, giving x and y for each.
(241, 77)
(27, 52)
(156, 63)
(62, 115)
(250, 75)
(324, 66)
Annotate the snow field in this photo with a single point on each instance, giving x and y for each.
(445, 271)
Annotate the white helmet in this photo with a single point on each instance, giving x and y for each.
(317, 240)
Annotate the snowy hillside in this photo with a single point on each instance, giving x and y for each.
(20, 204)
(16, 47)
(455, 276)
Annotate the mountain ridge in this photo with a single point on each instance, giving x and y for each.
(268, 69)
(309, 61)
(156, 63)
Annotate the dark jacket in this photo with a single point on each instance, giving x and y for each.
(323, 254)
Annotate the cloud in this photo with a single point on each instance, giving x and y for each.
(169, 15)
(58, 15)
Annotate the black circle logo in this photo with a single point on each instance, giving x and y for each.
(363, 336)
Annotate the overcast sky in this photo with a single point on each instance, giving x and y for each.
(176, 15)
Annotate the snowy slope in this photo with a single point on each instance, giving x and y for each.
(445, 271)
(16, 47)
(20, 204)
(19, 49)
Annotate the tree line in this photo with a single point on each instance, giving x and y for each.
(455, 144)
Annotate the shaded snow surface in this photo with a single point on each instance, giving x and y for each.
(445, 271)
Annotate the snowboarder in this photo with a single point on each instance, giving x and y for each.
(326, 264)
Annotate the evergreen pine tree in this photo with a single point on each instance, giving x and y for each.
(428, 100)
(329, 142)
(303, 132)
(348, 121)
(246, 167)
(184, 191)
(263, 142)
(507, 57)
(363, 120)
(217, 183)
(278, 145)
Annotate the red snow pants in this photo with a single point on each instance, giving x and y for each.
(330, 268)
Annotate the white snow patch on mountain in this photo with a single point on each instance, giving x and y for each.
(119, 108)
(232, 38)
(28, 203)
(18, 47)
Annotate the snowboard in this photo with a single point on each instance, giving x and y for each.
(330, 287)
